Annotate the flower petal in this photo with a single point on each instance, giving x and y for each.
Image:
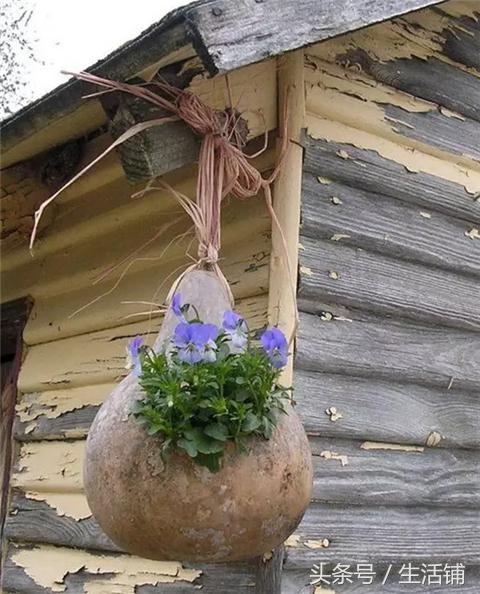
(176, 305)
(231, 319)
(183, 334)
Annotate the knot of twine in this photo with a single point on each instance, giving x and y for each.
(223, 167)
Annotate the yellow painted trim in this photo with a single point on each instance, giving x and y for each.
(286, 199)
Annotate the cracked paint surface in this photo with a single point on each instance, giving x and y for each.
(48, 566)
(51, 471)
(53, 404)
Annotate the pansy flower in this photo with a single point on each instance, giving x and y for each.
(236, 330)
(275, 345)
(133, 355)
(196, 342)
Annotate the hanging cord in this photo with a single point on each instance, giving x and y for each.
(223, 169)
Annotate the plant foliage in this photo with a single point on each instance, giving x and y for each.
(211, 386)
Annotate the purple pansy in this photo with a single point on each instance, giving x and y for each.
(176, 306)
(236, 330)
(133, 355)
(196, 342)
(275, 345)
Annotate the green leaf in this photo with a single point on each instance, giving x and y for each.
(211, 461)
(203, 443)
(250, 423)
(188, 446)
(217, 431)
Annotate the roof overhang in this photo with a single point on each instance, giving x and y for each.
(224, 34)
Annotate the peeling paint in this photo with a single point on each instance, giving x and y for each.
(377, 445)
(412, 159)
(306, 271)
(333, 414)
(323, 590)
(417, 35)
(324, 543)
(51, 471)
(339, 236)
(73, 505)
(323, 180)
(336, 93)
(328, 455)
(292, 541)
(474, 233)
(433, 439)
(52, 465)
(54, 403)
(48, 566)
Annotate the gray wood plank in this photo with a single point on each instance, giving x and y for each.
(77, 421)
(268, 576)
(386, 225)
(453, 135)
(32, 521)
(387, 535)
(371, 477)
(357, 278)
(431, 79)
(369, 171)
(297, 581)
(215, 579)
(386, 411)
(396, 350)
(462, 44)
(232, 34)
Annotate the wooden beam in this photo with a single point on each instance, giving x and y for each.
(63, 114)
(231, 34)
(287, 200)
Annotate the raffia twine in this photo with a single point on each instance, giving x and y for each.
(223, 169)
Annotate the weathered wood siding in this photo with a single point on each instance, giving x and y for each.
(73, 359)
(387, 371)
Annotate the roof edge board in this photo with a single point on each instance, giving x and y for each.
(263, 34)
(226, 34)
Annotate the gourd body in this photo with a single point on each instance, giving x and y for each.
(176, 509)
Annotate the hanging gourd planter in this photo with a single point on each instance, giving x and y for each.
(198, 454)
(206, 497)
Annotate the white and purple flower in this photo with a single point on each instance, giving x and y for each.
(196, 342)
(133, 355)
(236, 330)
(275, 345)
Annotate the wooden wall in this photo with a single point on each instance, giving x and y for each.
(387, 370)
(73, 359)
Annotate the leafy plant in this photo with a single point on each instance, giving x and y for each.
(211, 386)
